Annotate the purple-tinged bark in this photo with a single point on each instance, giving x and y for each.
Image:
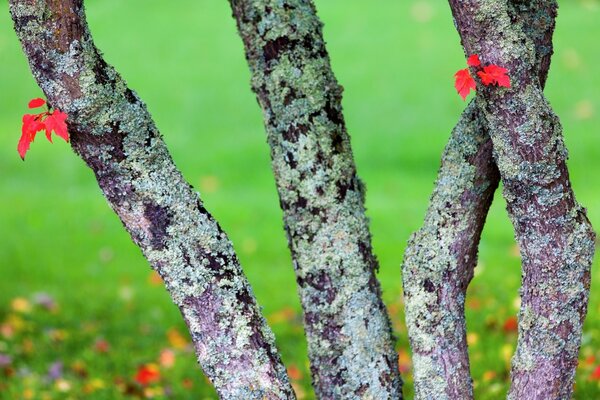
(348, 331)
(441, 256)
(552, 229)
(440, 259)
(114, 134)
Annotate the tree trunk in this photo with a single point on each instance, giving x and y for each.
(440, 257)
(114, 134)
(553, 232)
(350, 345)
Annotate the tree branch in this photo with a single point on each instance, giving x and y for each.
(349, 338)
(114, 134)
(553, 232)
(440, 257)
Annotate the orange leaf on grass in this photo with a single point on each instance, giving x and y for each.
(510, 325)
(176, 339)
(294, 373)
(404, 361)
(187, 383)
(590, 360)
(101, 346)
(167, 358)
(154, 279)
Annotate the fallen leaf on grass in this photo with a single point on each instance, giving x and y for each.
(167, 358)
(511, 325)
(147, 374)
(176, 339)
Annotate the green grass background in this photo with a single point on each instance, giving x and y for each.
(395, 60)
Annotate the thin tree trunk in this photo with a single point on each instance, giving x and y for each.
(114, 134)
(553, 232)
(440, 257)
(348, 331)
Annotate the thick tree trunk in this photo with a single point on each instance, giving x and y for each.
(553, 232)
(348, 331)
(441, 256)
(113, 132)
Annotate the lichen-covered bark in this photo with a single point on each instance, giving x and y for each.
(114, 134)
(349, 338)
(552, 229)
(441, 256)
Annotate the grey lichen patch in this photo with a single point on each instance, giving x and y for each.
(115, 135)
(348, 331)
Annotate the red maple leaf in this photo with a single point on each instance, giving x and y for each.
(493, 74)
(464, 82)
(35, 103)
(147, 374)
(31, 126)
(473, 61)
(56, 122)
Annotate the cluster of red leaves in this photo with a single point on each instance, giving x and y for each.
(33, 123)
(489, 75)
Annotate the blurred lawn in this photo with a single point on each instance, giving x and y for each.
(395, 60)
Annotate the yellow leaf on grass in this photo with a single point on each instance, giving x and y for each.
(176, 339)
(20, 305)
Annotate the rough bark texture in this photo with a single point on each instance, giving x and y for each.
(350, 343)
(114, 134)
(553, 232)
(440, 257)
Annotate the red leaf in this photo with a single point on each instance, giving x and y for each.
(473, 61)
(35, 103)
(494, 74)
(486, 79)
(595, 376)
(56, 122)
(31, 126)
(294, 373)
(511, 324)
(147, 374)
(102, 346)
(464, 83)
